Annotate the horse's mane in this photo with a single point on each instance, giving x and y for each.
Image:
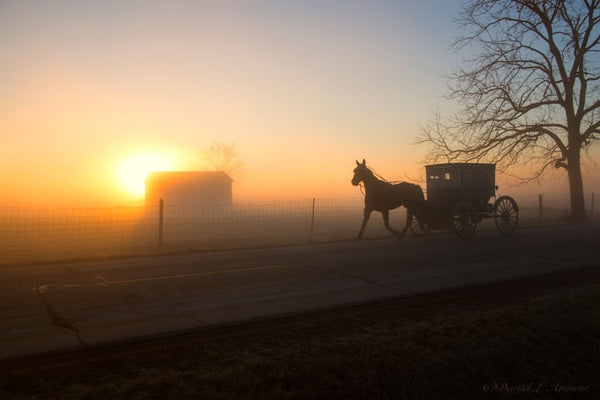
(381, 178)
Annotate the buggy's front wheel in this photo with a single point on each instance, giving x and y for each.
(506, 215)
(417, 226)
(464, 220)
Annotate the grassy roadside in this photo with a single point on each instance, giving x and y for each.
(534, 338)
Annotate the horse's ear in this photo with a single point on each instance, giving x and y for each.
(357, 163)
(364, 162)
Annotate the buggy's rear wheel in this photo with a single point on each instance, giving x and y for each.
(417, 226)
(506, 215)
(464, 220)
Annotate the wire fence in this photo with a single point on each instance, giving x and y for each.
(34, 235)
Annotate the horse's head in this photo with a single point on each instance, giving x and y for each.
(360, 172)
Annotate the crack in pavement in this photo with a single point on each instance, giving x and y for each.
(187, 314)
(330, 271)
(362, 278)
(56, 319)
(103, 281)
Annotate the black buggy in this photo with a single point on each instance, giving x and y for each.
(458, 197)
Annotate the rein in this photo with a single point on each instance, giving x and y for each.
(378, 177)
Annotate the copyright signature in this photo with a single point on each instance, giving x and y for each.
(533, 387)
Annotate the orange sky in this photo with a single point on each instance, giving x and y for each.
(301, 88)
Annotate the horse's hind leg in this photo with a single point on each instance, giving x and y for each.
(386, 222)
(366, 215)
(408, 218)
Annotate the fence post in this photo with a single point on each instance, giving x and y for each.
(312, 220)
(540, 205)
(160, 222)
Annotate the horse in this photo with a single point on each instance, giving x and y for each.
(384, 196)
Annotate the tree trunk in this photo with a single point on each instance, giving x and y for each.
(576, 188)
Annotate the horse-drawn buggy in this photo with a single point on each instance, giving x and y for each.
(458, 197)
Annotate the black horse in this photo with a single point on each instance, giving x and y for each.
(384, 196)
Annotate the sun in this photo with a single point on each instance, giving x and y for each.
(134, 169)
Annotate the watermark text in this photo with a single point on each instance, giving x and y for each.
(534, 387)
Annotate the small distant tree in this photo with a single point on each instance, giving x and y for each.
(530, 95)
(224, 157)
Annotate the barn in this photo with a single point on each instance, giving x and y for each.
(189, 188)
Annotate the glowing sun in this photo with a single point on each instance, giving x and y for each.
(134, 169)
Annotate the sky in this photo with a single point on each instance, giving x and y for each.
(95, 93)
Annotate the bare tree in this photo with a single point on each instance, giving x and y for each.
(224, 157)
(530, 95)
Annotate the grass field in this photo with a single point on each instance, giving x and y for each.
(533, 338)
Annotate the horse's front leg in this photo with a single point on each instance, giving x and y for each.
(386, 222)
(366, 214)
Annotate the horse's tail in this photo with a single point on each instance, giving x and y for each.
(420, 194)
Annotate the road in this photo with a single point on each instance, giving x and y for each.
(57, 307)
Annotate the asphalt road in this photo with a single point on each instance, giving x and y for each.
(56, 307)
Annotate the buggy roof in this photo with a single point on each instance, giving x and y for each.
(460, 165)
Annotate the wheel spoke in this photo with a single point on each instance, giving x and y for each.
(417, 226)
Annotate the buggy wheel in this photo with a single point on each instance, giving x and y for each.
(464, 220)
(417, 226)
(506, 215)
